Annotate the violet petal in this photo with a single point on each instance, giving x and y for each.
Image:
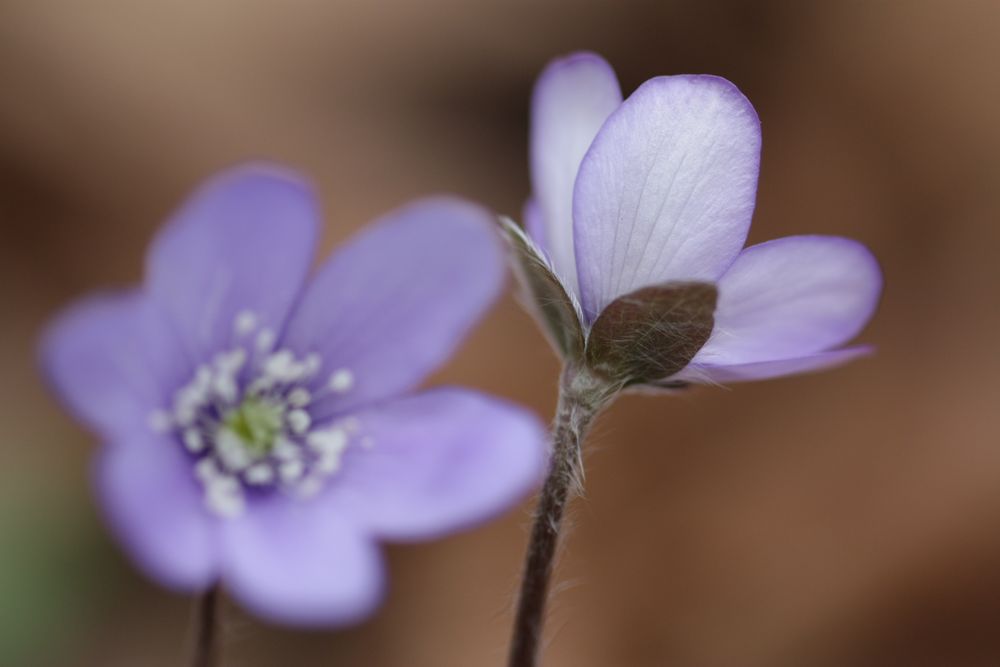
(302, 563)
(440, 461)
(243, 243)
(765, 370)
(534, 224)
(112, 360)
(391, 305)
(153, 505)
(792, 297)
(572, 98)
(667, 189)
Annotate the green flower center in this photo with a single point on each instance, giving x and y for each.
(257, 424)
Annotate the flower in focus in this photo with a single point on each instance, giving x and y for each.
(260, 429)
(635, 231)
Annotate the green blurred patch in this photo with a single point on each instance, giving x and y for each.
(53, 572)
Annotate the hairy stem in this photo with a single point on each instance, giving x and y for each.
(206, 628)
(580, 399)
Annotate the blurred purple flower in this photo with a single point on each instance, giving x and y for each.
(260, 430)
(661, 188)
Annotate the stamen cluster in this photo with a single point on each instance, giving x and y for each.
(244, 419)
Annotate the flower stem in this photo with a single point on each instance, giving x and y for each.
(206, 641)
(580, 400)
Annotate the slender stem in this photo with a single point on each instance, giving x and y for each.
(580, 399)
(206, 641)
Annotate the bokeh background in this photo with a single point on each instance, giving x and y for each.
(848, 519)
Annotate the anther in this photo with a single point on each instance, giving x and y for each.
(231, 450)
(286, 450)
(224, 496)
(299, 397)
(329, 440)
(245, 323)
(291, 471)
(225, 387)
(281, 366)
(260, 473)
(193, 440)
(299, 421)
(312, 364)
(265, 340)
(341, 380)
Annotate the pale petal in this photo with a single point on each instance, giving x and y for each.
(765, 370)
(792, 297)
(572, 99)
(667, 190)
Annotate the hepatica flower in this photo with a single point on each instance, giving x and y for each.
(260, 428)
(633, 259)
(637, 224)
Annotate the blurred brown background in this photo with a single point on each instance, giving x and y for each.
(849, 519)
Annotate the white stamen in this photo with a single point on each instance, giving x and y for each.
(332, 440)
(224, 496)
(312, 364)
(286, 450)
(232, 361)
(202, 377)
(291, 471)
(330, 444)
(184, 414)
(299, 397)
(281, 366)
(297, 460)
(206, 470)
(299, 421)
(265, 340)
(190, 398)
(328, 463)
(224, 386)
(260, 385)
(231, 450)
(341, 380)
(193, 440)
(245, 323)
(260, 473)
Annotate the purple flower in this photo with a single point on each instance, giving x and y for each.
(658, 190)
(260, 429)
